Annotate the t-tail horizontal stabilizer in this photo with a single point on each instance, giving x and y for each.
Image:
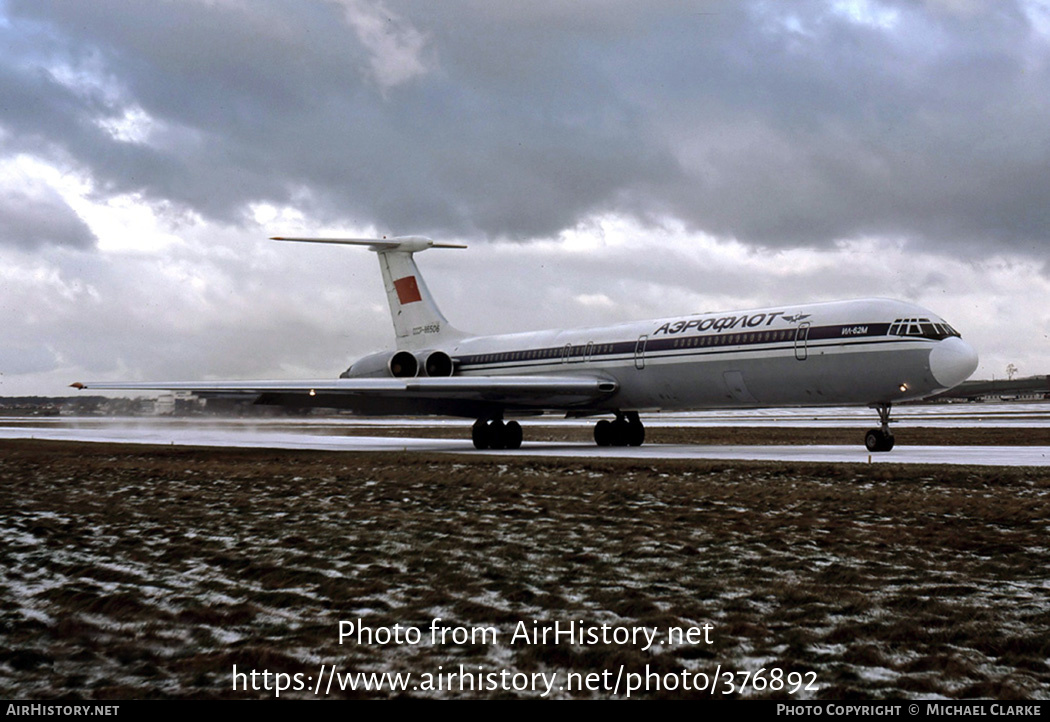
(409, 244)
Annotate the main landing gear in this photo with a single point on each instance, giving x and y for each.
(880, 439)
(626, 430)
(496, 434)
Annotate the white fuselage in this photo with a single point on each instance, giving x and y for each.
(869, 351)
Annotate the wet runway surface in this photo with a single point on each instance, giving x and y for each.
(149, 571)
(352, 434)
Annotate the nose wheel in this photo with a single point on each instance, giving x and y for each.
(626, 430)
(880, 439)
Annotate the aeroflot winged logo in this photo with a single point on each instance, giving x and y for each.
(727, 322)
(407, 290)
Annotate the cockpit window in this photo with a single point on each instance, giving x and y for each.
(922, 328)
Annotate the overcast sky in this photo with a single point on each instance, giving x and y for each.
(605, 161)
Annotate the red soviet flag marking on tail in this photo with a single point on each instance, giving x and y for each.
(407, 290)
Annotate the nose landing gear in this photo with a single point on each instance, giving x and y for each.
(880, 439)
(626, 430)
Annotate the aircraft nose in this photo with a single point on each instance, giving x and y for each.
(952, 361)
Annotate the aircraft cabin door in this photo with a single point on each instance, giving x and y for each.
(801, 341)
(639, 351)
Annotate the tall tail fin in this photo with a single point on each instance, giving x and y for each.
(418, 323)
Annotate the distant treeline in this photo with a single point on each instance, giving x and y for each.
(48, 400)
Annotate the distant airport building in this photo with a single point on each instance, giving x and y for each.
(178, 403)
(1032, 388)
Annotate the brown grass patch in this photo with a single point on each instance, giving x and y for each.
(147, 572)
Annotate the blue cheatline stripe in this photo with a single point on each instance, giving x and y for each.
(695, 345)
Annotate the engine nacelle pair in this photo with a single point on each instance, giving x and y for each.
(405, 364)
(402, 364)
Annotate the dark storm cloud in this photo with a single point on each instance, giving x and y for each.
(259, 107)
(825, 128)
(775, 123)
(40, 218)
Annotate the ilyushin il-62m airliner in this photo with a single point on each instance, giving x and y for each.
(870, 352)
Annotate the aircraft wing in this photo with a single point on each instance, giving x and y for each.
(376, 395)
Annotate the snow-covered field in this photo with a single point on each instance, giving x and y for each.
(135, 572)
